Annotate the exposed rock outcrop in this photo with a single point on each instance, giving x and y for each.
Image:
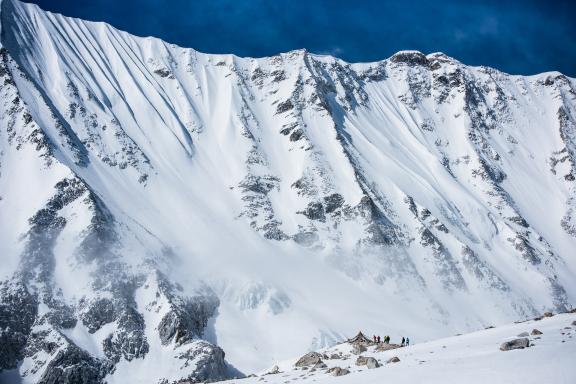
(515, 344)
(337, 371)
(309, 359)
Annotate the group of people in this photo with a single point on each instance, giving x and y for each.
(386, 340)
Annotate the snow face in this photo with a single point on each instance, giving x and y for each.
(273, 205)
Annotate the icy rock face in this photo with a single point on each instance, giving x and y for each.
(73, 365)
(17, 313)
(187, 317)
(157, 202)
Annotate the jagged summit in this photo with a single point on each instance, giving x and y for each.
(15, 7)
(161, 207)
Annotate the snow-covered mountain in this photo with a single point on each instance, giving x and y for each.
(160, 207)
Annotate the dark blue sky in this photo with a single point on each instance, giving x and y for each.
(520, 37)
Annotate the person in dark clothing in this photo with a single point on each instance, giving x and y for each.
(374, 338)
(407, 341)
(378, 339)
(403, 341)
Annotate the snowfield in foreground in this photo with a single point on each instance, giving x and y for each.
(471, 358)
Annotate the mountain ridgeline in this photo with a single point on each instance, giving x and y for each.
(170, 216)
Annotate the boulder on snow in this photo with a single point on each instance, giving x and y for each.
(574, 322)
(337, 371)
(274, 371)
(310, 358)
(386, 347)
(358, 349)
(535, 332)
(335, 356)
(394, 359)
(372, 363)
(319, 365)
(515, 344)
(548, 314)
(361, 360)
(360, 338)
(523, 334)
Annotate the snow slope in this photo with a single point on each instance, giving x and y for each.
(157, 201)
(470, 358)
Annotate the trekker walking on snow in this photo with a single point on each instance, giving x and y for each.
(407, 341)
(378, 338)
(403, 341)
(374, 338)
